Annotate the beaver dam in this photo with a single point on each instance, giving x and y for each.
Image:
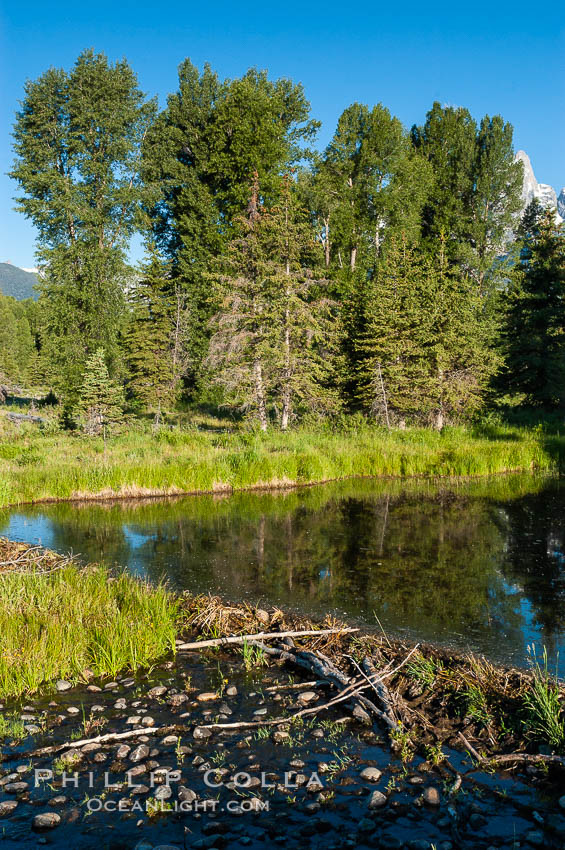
(256, 726)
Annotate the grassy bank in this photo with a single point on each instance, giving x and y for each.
(60, 622)
(36, 466)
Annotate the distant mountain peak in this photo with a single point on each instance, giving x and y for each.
(544, 193)
(19, 283)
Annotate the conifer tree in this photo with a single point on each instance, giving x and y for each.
(534, 328)
(304, 317)
(148, 339)
(425, 355)
(239, 357)
(101, 401)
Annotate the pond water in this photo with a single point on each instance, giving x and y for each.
(477, 565)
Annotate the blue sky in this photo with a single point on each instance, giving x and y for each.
(495, 57)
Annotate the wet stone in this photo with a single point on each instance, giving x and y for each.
(377, 800)
(60, 800)
(94, 689)
(134, 720)
(231, 691)
(96, 709)
(90, 748)
(169, 740)
(535, 838)
(111, 685)
(120, 704)
(157, 691)
(431, 796)
(46, 820)
(207, 697)
(123, 751)
(177, 699)
(280, 737)
(370, 774)
(7, 807)
(562, 802)
(186, 795)
(307, 696)
(148, 721)
(16, 787)
(200, 733)
(140, 789)
(137, 770)
(141, 752)
(72, 709)
(62, 685)
(163, 792)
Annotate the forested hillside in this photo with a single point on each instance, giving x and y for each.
(391, 274)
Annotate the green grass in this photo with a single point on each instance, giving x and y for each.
(56, 625)
(544, 716)
(36, 466)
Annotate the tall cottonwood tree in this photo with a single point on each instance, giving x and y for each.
(201, 155)
(476, 188)
(78, 139)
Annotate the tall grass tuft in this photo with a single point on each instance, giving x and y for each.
(56, 625)
(544, 716)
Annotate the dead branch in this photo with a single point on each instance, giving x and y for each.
(202, 644)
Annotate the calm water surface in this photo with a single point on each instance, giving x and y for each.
(478, 565)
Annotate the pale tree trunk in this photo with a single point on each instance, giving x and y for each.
(353, 259)
(327, 242)
(286, 389)
(260, 395)
(439, 418)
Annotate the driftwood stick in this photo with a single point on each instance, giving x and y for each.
(202, 644)
(512, 758)
(104, 739)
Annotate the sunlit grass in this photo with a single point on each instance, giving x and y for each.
(57, 625)
(62, 466)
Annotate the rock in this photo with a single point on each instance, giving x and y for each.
(535, 838)
(370, 774)
(135, 720)
(32, 729)
(186, 795)
(157, 691)
(7, 807)
(318, 733)
(307, 696)
(260, 712)
(46, 820)
(431, 796)
(163, 792)
(94, 689)
(137, 770)
(16, 787)
(177, 699)
(72, 709)
(110, 686)
(97, 709)
(63, 686)
(562, 802)
(231, 691)
(148, 721)
(90, 748)
(123, 751)
(140, 789)
(280, 737)
(128, 683)
(206, 697)
(377, 800)
(10, 777)
(200, 733)
(141, 752)
(120, 704)
(60, 800)
(168, 740)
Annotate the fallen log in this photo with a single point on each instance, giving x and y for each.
(225, 641)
